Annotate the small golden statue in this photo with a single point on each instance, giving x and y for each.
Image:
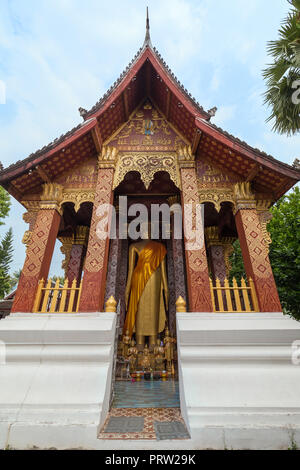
(126, 342)
(146, 362)
(169, 349)
(132, 356)
(159, 354)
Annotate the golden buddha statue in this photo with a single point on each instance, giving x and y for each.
(146, 362)
(169, 349)
(125, 343)
(146, 283)
(132, 356)
(159, 354)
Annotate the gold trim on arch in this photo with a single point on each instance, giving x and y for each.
(147, 164)
(77, 197)
(216, 196)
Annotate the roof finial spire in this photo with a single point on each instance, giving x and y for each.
(147, 41)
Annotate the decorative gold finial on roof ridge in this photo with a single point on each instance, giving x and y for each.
(147, 41)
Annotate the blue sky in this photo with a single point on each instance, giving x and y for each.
(61, 54)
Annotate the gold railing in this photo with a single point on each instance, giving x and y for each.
(226, 298)
(52, 298)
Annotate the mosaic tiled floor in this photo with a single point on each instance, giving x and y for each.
(158, 424)
(144, 394)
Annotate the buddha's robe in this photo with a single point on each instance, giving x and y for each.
(146, 314)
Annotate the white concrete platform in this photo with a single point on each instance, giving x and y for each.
(238, 382)
(239, 387)
(56, 376)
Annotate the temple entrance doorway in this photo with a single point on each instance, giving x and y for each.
(145, 378)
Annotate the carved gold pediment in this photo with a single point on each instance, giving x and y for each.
(147, 129)
(216, 196)
(147, 164)
(244, 196)
(77, 197)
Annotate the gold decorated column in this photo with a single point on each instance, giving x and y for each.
(77, 254)
(255, 249)
(40, 246)
(199, 295)
(219, 250)
(95, 268)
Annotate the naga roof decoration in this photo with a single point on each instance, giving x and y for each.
(148, 76)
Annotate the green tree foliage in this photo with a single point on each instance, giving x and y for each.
(6, 253)
(285, 250)
(5, 245)
(4, 204)
(284, 229)
(237, 264)
(281, 76)
(14, 279)
(60, 278)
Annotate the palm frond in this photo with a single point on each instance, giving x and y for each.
(282, 74)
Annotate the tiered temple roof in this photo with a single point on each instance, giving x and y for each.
(148, 75)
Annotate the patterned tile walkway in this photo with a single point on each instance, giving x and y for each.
(144, 394)
(153, 417)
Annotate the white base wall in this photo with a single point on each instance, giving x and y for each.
(55, 378)
(238, 386)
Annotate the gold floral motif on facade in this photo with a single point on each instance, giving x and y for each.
(147, 165)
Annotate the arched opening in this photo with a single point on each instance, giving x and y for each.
(146, 373)
(230, 293)
(61, 291)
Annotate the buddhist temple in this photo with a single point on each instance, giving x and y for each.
(219, 348)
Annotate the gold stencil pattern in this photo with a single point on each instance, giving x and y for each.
(37, 245)
(147, 164)
(256, 245)
(96, 247)
(216, 196)
(77, 197)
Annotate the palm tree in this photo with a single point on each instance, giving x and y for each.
(283, 76)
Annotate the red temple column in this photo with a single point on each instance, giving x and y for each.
(254, 249)
(74, 249)
(66, 247)
(219, 250)
(95, 269)
(178, 255)
(196, 260)
(216, 254)
(77, 254)
(112, 287)
(40, 246)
